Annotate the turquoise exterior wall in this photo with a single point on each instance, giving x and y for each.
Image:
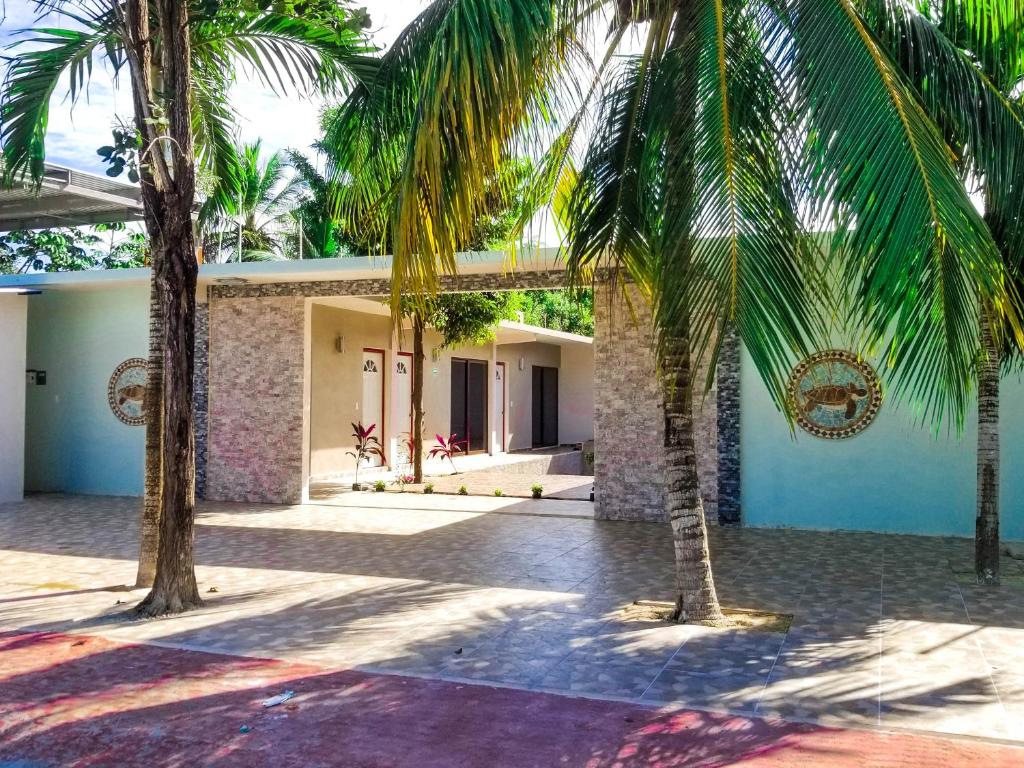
(892, 477)
(73, 442)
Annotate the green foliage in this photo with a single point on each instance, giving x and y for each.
(123, 153)
(428, 488)
(498, 492)
(571, 311)
(463, 491)
(380, 486)
(298, 47)
(696, 167)
(537, 490)
(71, 249)
(260, 195)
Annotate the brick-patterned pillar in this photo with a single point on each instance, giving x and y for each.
(256, 399)
(629, 422)
(200, 397)
(728, 376)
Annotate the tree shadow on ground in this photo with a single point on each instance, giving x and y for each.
(122, 705)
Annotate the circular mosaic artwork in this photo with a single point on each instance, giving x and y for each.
(834, 394)
(127, 390)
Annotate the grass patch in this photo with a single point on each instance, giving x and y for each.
(735, 618)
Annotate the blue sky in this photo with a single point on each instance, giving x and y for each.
(74, 134)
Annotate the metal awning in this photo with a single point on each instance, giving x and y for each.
(68, 198)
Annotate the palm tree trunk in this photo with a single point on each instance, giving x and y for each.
(986, 536)
(150, 525)
(417, 397)
(168, 190)
(696, 598)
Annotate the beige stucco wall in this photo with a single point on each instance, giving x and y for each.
(576, 394)
(520, 387)
(336, 383)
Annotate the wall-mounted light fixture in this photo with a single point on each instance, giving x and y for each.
(522, 363)
(339, 344)
(435, 354)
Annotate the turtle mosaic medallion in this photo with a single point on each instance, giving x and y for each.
(834, 394)
(127, 390)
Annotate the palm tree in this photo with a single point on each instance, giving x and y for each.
(259, 199)
(736, 126)
(955, 60)
(180, 59)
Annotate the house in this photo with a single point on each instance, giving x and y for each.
(289, 353)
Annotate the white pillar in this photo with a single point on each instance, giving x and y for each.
(13, 333)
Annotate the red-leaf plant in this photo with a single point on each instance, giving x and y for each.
(447, 449)
(366, 445)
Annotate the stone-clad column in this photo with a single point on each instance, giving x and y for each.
(728, 375)
(256, 374)
(629, 422)
(200, 397)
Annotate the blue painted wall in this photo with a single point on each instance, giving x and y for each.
(892, 477)
(73, 442)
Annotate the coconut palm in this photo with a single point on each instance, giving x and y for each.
(724, 129)
(179, 59)
(970, 78)
(258, 198)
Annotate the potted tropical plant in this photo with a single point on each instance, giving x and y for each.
(366, 446)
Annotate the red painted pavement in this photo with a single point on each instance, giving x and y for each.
(84, 701)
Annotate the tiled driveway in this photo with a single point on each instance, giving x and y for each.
(436, 586)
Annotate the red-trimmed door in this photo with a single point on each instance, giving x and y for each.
(373, 397)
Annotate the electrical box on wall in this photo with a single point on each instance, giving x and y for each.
(40, 378)
(35, 378)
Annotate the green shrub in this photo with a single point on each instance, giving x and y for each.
(498, 492)
(380, 486)
(463, 491)
(537, 490)
(428, 488)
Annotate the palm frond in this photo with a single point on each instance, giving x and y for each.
(287, 53)
(922, 257)
(752, 266)
(31, 79)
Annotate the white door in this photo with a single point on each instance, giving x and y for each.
(401, 410)
(499, 405)
(373, 398)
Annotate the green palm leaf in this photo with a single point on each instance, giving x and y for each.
(922, 256)
(31, 79)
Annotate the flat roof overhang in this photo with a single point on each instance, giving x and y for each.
(68, 198)
(292, 271)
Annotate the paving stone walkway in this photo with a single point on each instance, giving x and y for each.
(885, 633)
(187, 708)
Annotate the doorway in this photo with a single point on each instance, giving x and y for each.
(469, 404)
(401, 410)
(373, 398)
(545, 406)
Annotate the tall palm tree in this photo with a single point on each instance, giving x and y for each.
(720, 138)
(258, 199)
(970, 75)
(180, 59)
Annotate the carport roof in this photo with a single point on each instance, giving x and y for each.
(68, 198)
